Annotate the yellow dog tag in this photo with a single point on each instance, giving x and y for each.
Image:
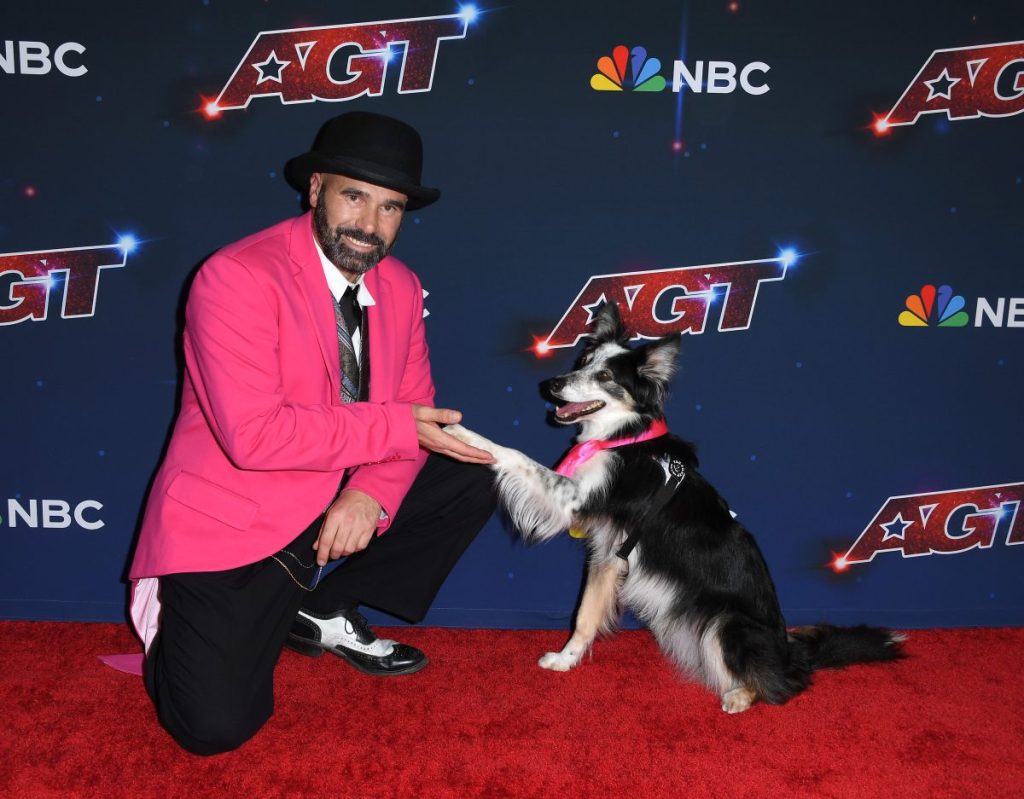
(577, 532)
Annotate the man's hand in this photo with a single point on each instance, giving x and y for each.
(432, 437)
(348, 526)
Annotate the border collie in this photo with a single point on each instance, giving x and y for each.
(661, 540)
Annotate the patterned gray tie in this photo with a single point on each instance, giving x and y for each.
(347, 316)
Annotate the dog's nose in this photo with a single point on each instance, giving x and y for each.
(556, 383)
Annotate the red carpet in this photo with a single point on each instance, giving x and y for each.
(483, 720)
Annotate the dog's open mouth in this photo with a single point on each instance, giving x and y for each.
(572, 411)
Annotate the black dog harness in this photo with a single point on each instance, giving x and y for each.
(675, 471)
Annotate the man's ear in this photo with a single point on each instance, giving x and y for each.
(315, 182)
(608, 325)
(658, 359)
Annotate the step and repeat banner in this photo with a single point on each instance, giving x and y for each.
(825, 199)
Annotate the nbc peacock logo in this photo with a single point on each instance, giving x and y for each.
(628, 69)
(935, 306)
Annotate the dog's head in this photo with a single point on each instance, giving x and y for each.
(614, 390)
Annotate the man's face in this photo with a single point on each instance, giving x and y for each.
(355, 222)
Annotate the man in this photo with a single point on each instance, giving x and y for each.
(306, 370)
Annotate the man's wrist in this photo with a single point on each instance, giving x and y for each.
(382, 514)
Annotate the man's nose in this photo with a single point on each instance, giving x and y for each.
(367, 221)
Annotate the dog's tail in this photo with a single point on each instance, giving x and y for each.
(824, 646)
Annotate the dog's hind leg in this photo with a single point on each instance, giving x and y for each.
(596, 614)
(718, 667)
(738, 699)
(750, 661)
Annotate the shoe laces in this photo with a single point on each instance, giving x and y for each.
(359, 625)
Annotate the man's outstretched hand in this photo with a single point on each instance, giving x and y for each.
(432, 437)
(351, 520)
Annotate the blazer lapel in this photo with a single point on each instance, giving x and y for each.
(309, 276)
(379, 331)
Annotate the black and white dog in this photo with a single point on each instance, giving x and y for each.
(661, 540)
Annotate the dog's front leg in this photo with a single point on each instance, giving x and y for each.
(596, 614)
(541, 503)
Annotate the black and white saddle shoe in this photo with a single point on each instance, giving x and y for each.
(348, 635)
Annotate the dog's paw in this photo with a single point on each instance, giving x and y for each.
(466, 436)
(557, 661)
(456, 430)
(737, 700)
(474, 440)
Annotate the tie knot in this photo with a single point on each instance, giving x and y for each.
(351, 311)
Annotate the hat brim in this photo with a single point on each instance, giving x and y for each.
(299, 170)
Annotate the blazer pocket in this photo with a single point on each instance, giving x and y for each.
(213, 500)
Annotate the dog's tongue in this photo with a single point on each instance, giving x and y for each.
(571, 408)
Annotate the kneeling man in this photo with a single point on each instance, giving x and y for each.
(306, 419)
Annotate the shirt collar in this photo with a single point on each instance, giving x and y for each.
(336, 281)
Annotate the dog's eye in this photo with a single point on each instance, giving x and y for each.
(604, 374)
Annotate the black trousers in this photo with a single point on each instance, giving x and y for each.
(210, 669)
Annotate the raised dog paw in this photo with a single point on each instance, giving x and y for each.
(557, 661)
(473, 439)
(456, 430)
(466, 436)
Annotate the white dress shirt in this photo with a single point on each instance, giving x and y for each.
(338, 285)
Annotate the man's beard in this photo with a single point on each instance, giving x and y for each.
(338, 252)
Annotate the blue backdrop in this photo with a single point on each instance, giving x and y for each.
(831, 193)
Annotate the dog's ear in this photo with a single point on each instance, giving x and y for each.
(658, 359)
(608, 325)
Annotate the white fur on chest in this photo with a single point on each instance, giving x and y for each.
(593, 475)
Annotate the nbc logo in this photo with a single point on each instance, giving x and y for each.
(53, 514)
(948, 312)
(943, 308)
(633, 70)
(643, 72)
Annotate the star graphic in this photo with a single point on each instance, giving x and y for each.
(594, 307)
(896, 528)
(947, 84)
(270, 69)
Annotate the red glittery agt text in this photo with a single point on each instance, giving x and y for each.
(964, 83)
(300, 65)
(944, 522)
(73, 275)
(655, 303)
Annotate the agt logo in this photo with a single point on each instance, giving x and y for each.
(633, 70)
(940, 523)
(33, 58)
(963, 83)
(53, 514)
(340, 62)
(663, 301)
(72, 275)
(942, 308)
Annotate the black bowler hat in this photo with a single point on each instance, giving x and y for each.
(374, 148)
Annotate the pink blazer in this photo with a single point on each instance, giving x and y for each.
(263, 440)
